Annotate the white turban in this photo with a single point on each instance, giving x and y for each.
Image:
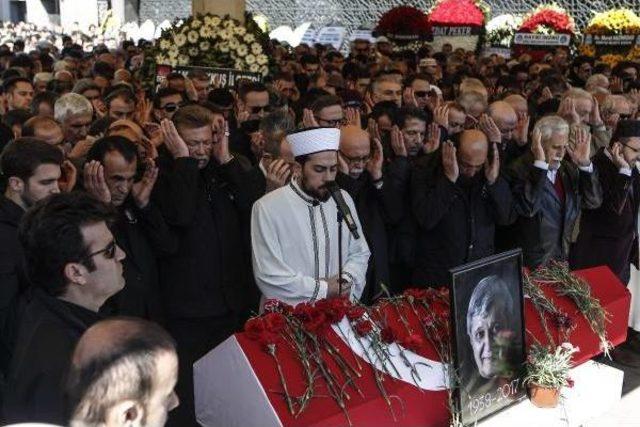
(314, 140)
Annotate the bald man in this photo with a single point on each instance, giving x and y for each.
(502, 126)
(379, 203)
(46, 129)
(123, 373)
(518, 103)
(458, 199)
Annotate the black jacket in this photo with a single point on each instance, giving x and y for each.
(545, 225)
(377, 208)
(401, 233)
(11, 276)
(456, 222)
(143, 235)
(49, 329)
(608, 235)
(210, 273)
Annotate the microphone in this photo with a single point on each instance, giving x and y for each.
(343, 208)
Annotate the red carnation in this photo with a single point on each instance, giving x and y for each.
(355, 312)
(456, 12)
(313, 320)
(254, 327)
(416, 294)
(274, 322)
(388, 335)
(334, 308)
(363, 327)
(413, 342)
(257, 329)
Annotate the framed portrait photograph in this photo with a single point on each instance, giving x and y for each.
(488, 335)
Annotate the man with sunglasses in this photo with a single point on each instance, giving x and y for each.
(252, 104)
(418, 90)
(165, 103)
(74, 266)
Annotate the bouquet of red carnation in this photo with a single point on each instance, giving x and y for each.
(405, 23)
(548, 19)
(451, 13)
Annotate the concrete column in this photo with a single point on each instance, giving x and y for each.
(36, 13)
(234, 8)
(84, 12)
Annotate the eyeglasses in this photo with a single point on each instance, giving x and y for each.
(109, 252)
(635, 150)
(353, 160)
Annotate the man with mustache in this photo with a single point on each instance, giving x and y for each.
(294, 230)
(549, 191)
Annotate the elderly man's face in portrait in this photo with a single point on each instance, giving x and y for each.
(483, 331)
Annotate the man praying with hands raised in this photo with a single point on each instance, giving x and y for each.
(458, 197)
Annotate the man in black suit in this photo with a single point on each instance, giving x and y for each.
(608, 235)
(458, 198)
(205, 286)
(140, 229)
(74, 265)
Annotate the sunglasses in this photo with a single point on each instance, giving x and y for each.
(421, 93)
(257, 110)
(109, 252)
(171, 107)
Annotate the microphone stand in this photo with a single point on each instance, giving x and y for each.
(340, 220)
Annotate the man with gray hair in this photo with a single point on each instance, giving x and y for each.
(549, 191)
(74, 113)
(40, 81)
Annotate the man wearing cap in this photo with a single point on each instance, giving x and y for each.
(608, 234)
(294, 230)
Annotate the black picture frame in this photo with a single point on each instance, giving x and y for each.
(489, 384)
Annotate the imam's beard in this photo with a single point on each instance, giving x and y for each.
(322, 194)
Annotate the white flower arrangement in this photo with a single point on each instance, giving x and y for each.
(500, 30)
(213, 41)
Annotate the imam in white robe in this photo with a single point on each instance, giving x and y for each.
(294, 241)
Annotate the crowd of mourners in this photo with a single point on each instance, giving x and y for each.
(121, 202)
